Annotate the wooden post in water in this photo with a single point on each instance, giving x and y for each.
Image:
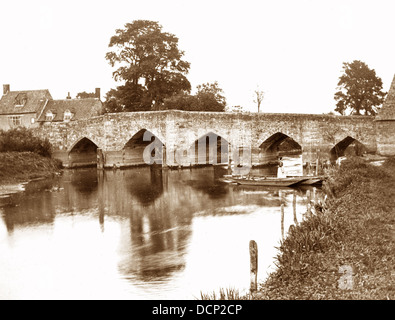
(164, 158)
(308, 195)
(100, 183)
(294, 207)
(282, 213)
(230, 160)
(253, 266)
(282, 221)
(314, 196)
(100, 159)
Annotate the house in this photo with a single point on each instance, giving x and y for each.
(21, 108)
(32, 108)
(69, 110)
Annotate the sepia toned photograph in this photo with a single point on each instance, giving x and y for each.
(197, 151)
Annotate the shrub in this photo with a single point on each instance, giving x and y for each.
(23, 140)
(353, 171)
(24, 166)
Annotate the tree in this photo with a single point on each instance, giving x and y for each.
(150, 64)
(181, 101)
(209, 97)
(259, 95)
(127, 97)
(85, 95)
(360, 90)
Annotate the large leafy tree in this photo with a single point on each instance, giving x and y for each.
(209, 97)
(360, 90)
(149, 64)
(127, 97)
(181, 101)
(85, 95)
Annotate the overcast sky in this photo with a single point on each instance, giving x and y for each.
(292, 50)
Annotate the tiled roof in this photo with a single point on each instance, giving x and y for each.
(80, 108)
(387, 112)
(34, 101)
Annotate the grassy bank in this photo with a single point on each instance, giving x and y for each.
(352, 232)
(23, 166)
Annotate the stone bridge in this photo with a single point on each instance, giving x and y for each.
(181, 138)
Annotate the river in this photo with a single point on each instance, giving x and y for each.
(139, 233)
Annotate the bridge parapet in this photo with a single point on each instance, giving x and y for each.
(116, 134)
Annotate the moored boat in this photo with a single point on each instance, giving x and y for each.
(264, 181)
(311, 180)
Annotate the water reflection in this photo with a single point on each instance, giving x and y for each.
(147, 233)
(29, 211)
(145, 186)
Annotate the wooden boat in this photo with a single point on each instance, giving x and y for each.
(311, 180)
(264, 181)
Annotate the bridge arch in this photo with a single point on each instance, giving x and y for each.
(83, 139)
(134, 151)
(133, 130)
(278, 145)
(82, 153)
(210, 148)
(347, 146)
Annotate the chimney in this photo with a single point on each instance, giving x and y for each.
(97, 93)
(68, 96)
(6, 89)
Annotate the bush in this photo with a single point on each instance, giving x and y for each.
(353, 171)
(24, 166)
(23, 140)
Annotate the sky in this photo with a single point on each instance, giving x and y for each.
(292, 50)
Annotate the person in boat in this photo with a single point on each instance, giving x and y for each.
(280, 168)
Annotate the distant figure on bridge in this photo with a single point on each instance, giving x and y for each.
(280, 169)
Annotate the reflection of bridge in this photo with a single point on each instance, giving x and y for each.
(119, 138)
(153, 210)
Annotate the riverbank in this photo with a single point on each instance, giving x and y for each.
(18, 168)
(346, 250)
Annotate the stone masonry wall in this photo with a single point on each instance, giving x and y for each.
(178, 130)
